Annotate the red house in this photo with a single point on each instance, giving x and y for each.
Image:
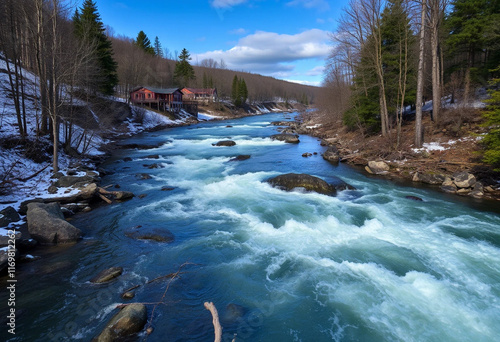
(200, 95)
(169, 99)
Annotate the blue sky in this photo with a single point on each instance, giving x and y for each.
(286, 39)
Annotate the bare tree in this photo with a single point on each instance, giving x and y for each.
(420, 78)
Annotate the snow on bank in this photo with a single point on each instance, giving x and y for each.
(442, 146)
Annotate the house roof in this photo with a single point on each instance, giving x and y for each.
(159, 90)
(209, 91)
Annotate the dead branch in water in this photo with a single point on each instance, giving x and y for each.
(215, 320)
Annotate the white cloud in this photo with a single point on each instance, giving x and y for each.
(272, 53)
(321, 5)
(239, 31)
(226, 3)
(310, 83)
(316, 71)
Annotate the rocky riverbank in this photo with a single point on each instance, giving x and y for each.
(446, 163)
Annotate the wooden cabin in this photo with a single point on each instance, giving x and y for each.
(200, 94)
(168, 99)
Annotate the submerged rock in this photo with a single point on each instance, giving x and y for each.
(414, 198)
(307, 154)
(241, 157)
(130, 320)
(46, 224)
(291, 181)
(153, 234)
(286, 137)
(225, 143)
(143, 176)
(233, 313)
(107, 275)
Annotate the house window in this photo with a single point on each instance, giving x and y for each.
(136, 96)
(149, 96)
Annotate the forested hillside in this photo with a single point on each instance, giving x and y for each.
(390, 57)
(140, 65)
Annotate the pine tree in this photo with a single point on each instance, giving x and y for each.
(492, 115)
(143, 42)
(235, 92)
(183, 72)
(89, 27)
(473, 27)
(242, 92)
(158, 51)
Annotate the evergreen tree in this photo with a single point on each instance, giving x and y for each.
(492, 116)
(157, 47)
(399, 63)
(473, 27)
(242, 92)
(144, 43)
(235, 92)
(183, 72)
(89, 27)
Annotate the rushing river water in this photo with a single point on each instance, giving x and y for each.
(366, 265)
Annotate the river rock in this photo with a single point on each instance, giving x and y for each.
(464, 179)
(129, 320)
(143, 176)
(225, 143)
(233, 313)
(7, 216)
(139, 146)
(377, 167)
(128, 295)
(127, 159)
(153, 234)
(451, 189)
(286, 137)
(429, 178)
(414, 198)
(107, 275)
(241, 157)
(332, 154)
(152, 156)
(46, 224)
(307, 154)
(67, 181)
(167, 188)
(291, 181)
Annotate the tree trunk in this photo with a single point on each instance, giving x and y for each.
(420, 80)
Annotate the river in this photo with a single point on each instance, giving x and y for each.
(365, 265)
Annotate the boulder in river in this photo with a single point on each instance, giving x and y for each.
(129, 320)
(225, 143)
(46, 224)
(107, 275)
(291, 181)
(332, 154)
(153, 234)
(286, 137)
(143, 176)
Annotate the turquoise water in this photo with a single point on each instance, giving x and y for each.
(366, 265)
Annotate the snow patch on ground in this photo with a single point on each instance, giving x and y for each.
(442, 146)
(208, 116)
